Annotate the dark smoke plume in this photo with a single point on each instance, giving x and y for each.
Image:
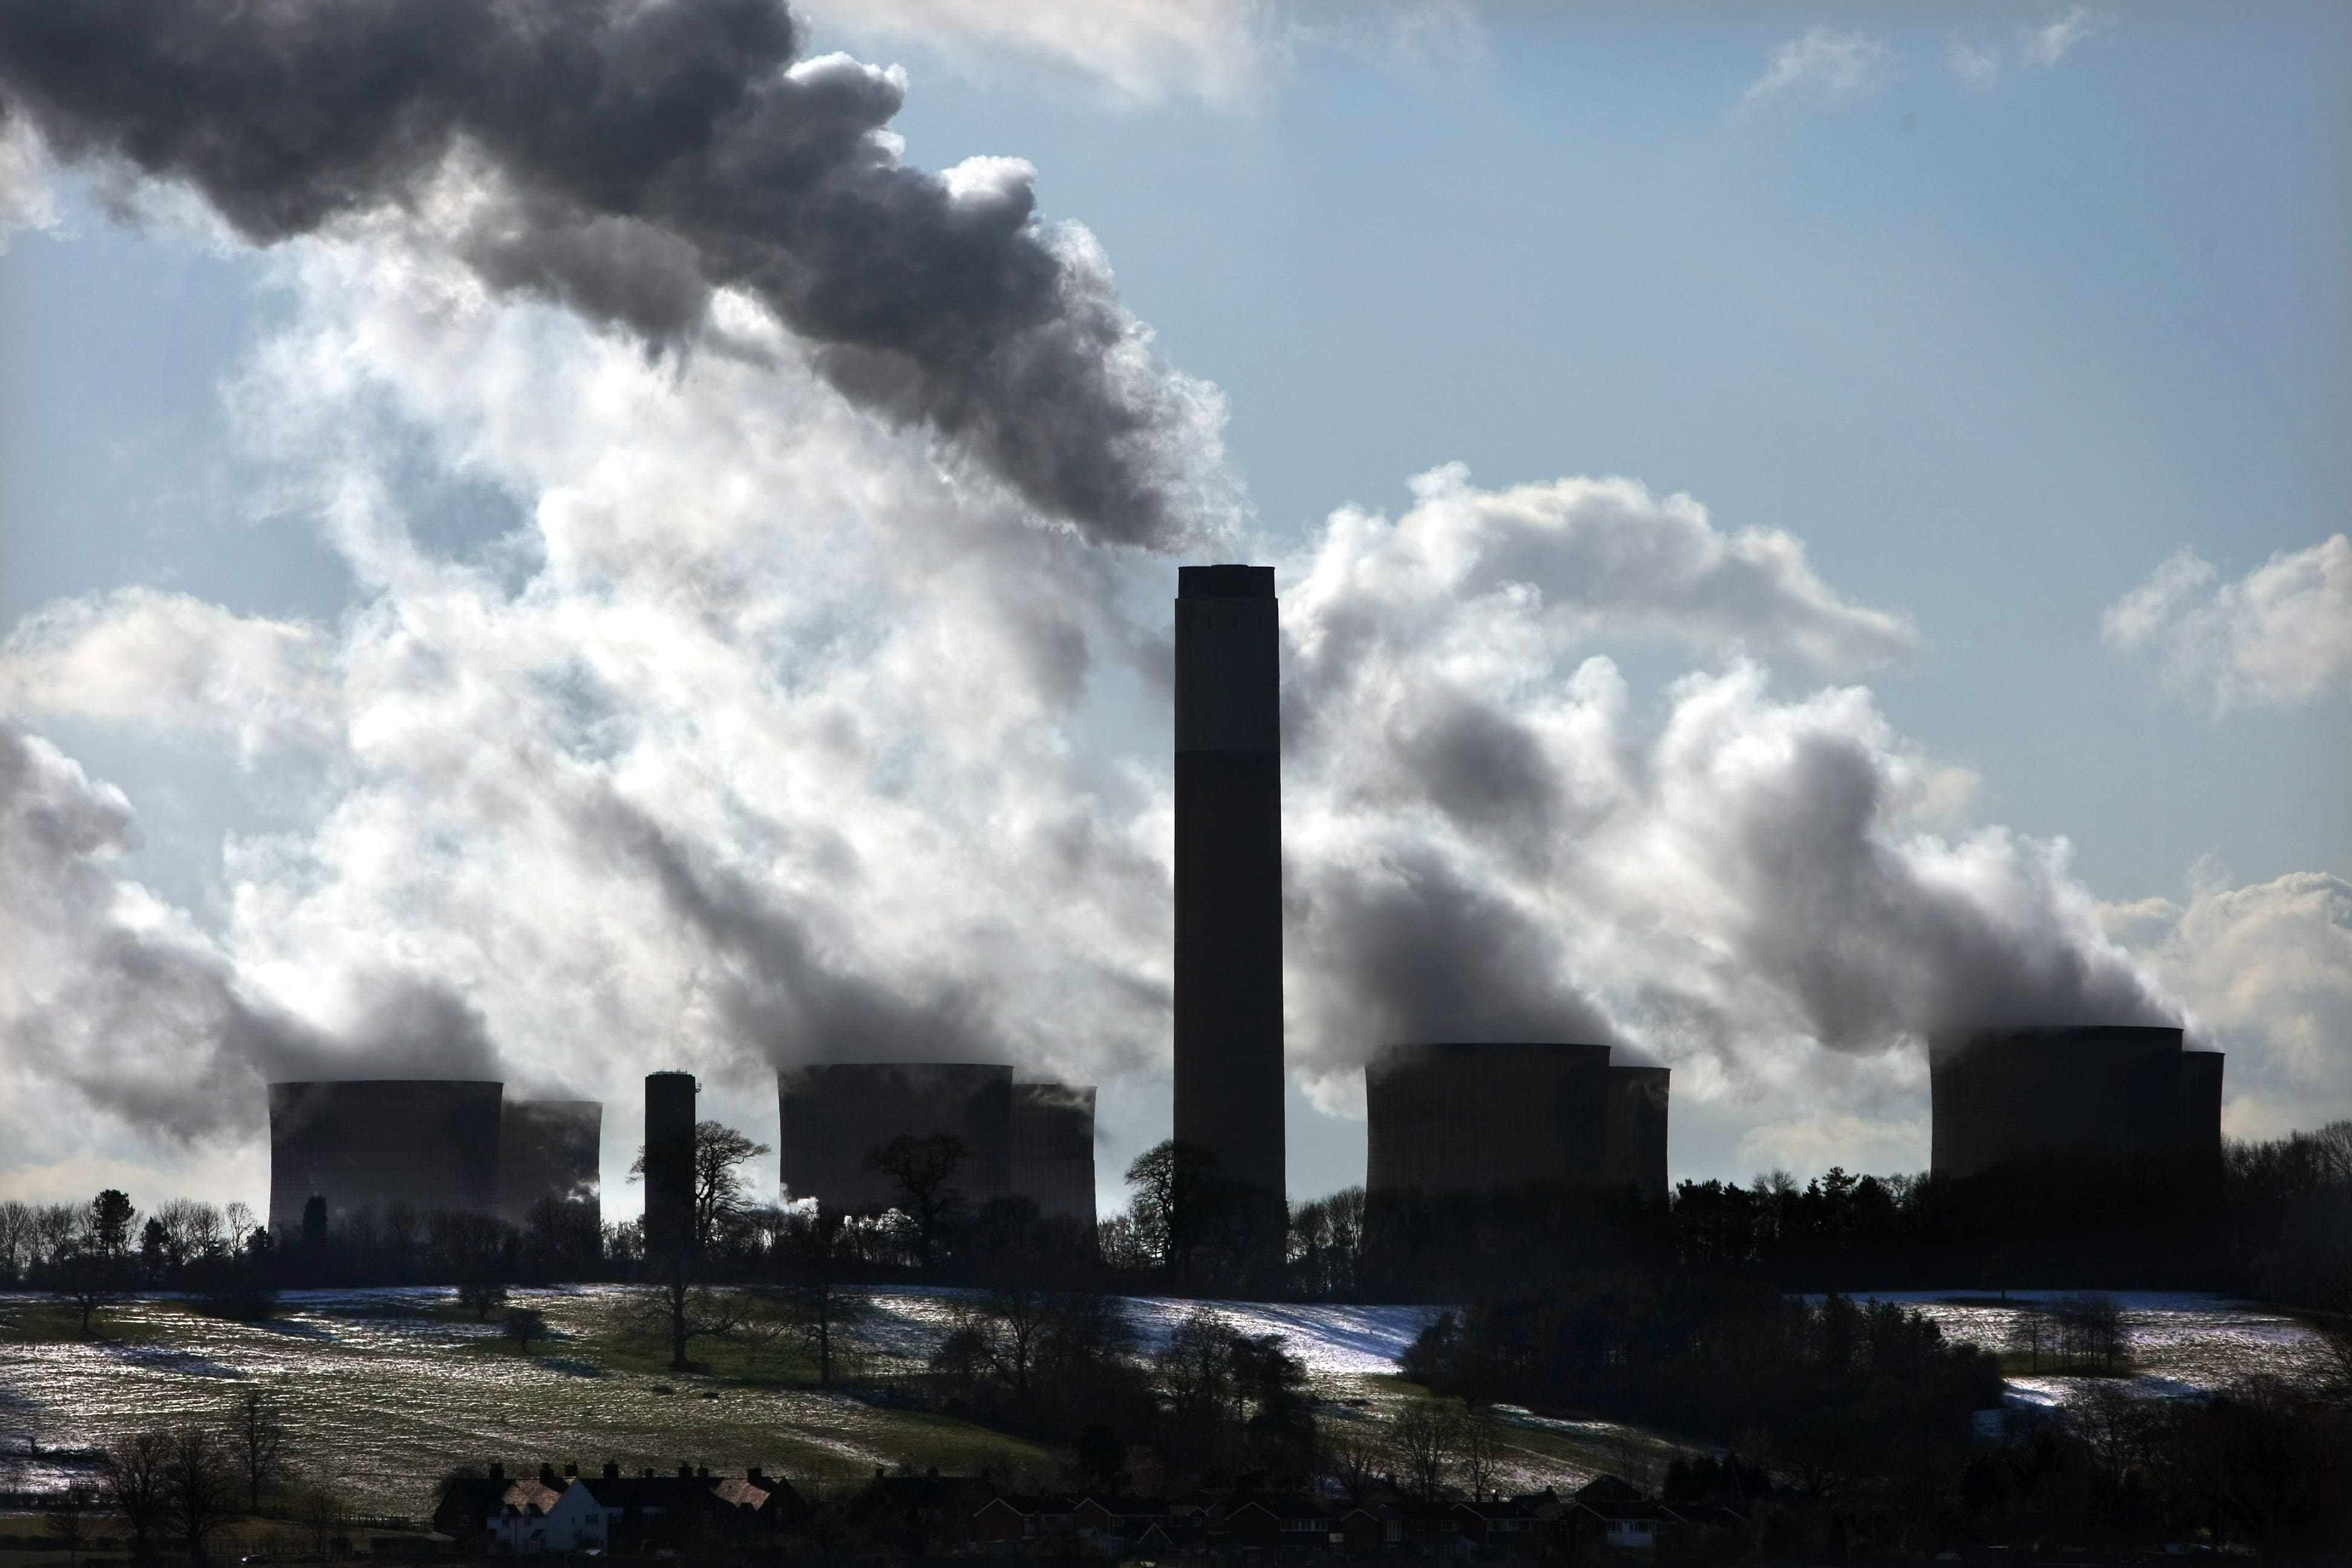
(644, 153)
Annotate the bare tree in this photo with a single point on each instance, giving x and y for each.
(1354, 1453)
(134, 1471)
(70, 1525)
(200, 1485)
(256, 1439)
(1424, 1438)
(719, 1148)
(1478, 1444)
(925, 1170)
(319, 1509)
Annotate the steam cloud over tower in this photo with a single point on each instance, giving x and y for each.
(549, 1149)
(1228, 873)
(669, 1162)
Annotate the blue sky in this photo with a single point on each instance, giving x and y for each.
(1994, 336)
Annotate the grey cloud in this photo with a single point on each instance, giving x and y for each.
(145, 1020)
(1407, 949)
(783, 994)
(639, 156)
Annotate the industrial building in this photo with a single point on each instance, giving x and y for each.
(669, 1163)
(549, 1148)
(428, 1145)
(1228, 958)
(1474, 1116)
(1054, 1148)
(2089, 1093)
(830, 1116)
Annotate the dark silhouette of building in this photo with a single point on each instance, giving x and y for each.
(430, 1144)
(1636, 1145)
(1228, 1001)
(669, 1162)
(1054, 1147)
(551, 1149)
(1489, 1117)
(831, 1116)
(2087, 1094)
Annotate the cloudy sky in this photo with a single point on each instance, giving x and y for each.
(603, 536)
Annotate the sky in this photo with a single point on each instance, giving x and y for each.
(1802, 530)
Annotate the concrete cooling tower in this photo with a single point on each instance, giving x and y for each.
(549, 1148)
(1054, 1148)
(429, 1143)
(2101, 1092)
(1228, 959)
(831, 1116)
(1485, 1118)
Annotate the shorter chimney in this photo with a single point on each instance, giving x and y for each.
(611, 1469)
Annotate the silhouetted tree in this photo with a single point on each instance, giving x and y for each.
(135, 1472)
(924, 1171)
(256, 1441)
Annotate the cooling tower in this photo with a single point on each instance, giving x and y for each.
(669, 1163)
(2091, 1092)
(1636, 1153)
(549, 1148)
(1483, 1118)
(1054, 1147)
(829, 1117)
(1228, 1001)
(431, 1144)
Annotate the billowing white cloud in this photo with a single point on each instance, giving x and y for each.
(2277, 637)
(2267, 969)
(140, 657)
(2048, 43)
(27, 194)
(1140, 53)
(769, 730)
(1824, 63)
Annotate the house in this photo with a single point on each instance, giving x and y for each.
(1370, 1528)
(1025, 1520)
(1607, 1512)
(468, 1503)
(1502, 1528)
(1279, 1520)
(757, 1507)
(1107, 1514)
(920, 1511)
(1702, 1529)
(534, 1517)
(1432, 1528)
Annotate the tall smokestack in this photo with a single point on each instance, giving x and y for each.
(1228, 873)
(669, 1163)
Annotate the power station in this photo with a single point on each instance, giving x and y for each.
(2104, 1093)
(426, 1144)
(1477, 1117)
(669, 1229)
(1054, 1148)
(1228, 960)
(1035, 1139)
(550, 1151)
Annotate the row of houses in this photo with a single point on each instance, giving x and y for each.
(934, 1514)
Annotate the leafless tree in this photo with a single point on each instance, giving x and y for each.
(135, 1472)
(70, 1525)
(925, 1171)
(1423, 1438)
(256, 1441)
(1354, 1453)
(200, 1485)
(1478, 1446)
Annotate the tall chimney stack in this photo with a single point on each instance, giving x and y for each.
(1229, 1074)
(669, 1163)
